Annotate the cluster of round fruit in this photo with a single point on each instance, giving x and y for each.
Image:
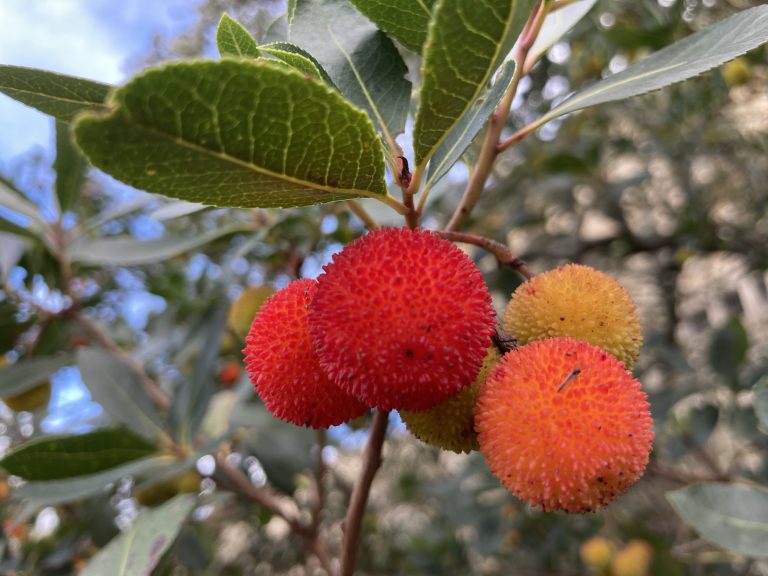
(402, 320)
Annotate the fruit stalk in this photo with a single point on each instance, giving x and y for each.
(371, 463)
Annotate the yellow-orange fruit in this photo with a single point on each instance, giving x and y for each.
(564, 425)
(451, 424)
(30, 400)
(229, 373)
(284, 368)
(596, 553)
(155, 494)
(246, 306)
(633, 560)
(401, 319)
(737, 72)
(580, 302)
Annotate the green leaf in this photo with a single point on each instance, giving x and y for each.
(37, 495)
(118, 389)
(138, 550)
(685, 59)
(55, 94)
(728, 348)
(556, 25)
(13, 249)
(466, 42)
(405, 20)
(191, 400)
(175, 209)
(27, 374)
(232, 39)
(361, 60)
(235, 133)
(128, 251)
(70, 456)
(70, 167)
(733, 516)
(459, 139)
(761, 403)
(299, 59)
(291, 10)
(13, 200)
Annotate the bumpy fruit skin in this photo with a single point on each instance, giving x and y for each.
(559, 438)
(451, 424)
(580, 302)
(284, 368)
(401, 319)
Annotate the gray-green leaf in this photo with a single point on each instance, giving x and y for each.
(27, 374)
(55, 458)
(55, 94)
(405, 20)
(235, 133)
(118, 389)
(232, 39)
(685, 59)
(761, 403)
(138, 550)
(128, 251)
(733, 516)
(70, 167)
(458, 139)
(466, 42)
(361, 60)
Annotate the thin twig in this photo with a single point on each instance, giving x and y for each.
(503, 255)
(157, 395)
(319, 478)
(519, 135)
(242, 485)
(498, 120)
(357, 209)
(371, 463)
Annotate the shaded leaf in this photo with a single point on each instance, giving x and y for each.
(128, 251)
(68, 456)
(13, 249)
(761, 403)
(37, 495)
(16, 202)
(59, 95)
(461, 136)
(235, 133)
(362, 61)
(298, 58)
(685, 59)
(70, 167)
(232, 39)
(118, 389)
(27, 374)
(405, 20)
(191, 399)
(728, 348)
(733, 516)
(466, 42)
(137, 551)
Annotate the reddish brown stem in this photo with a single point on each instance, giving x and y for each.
(503, 255)
(371, 463)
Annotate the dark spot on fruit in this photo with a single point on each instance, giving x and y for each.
(409, 353)
(562, 318)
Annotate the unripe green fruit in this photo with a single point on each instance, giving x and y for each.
(245, 307)
(451, 424)
(155, 494)
(31, 400)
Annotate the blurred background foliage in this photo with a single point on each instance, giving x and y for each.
(667, 192)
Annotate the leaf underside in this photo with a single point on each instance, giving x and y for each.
(404, 20)
(235, 133)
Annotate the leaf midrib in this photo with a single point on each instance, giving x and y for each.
(242, 163)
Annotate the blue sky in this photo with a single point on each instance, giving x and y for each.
(96, 39)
